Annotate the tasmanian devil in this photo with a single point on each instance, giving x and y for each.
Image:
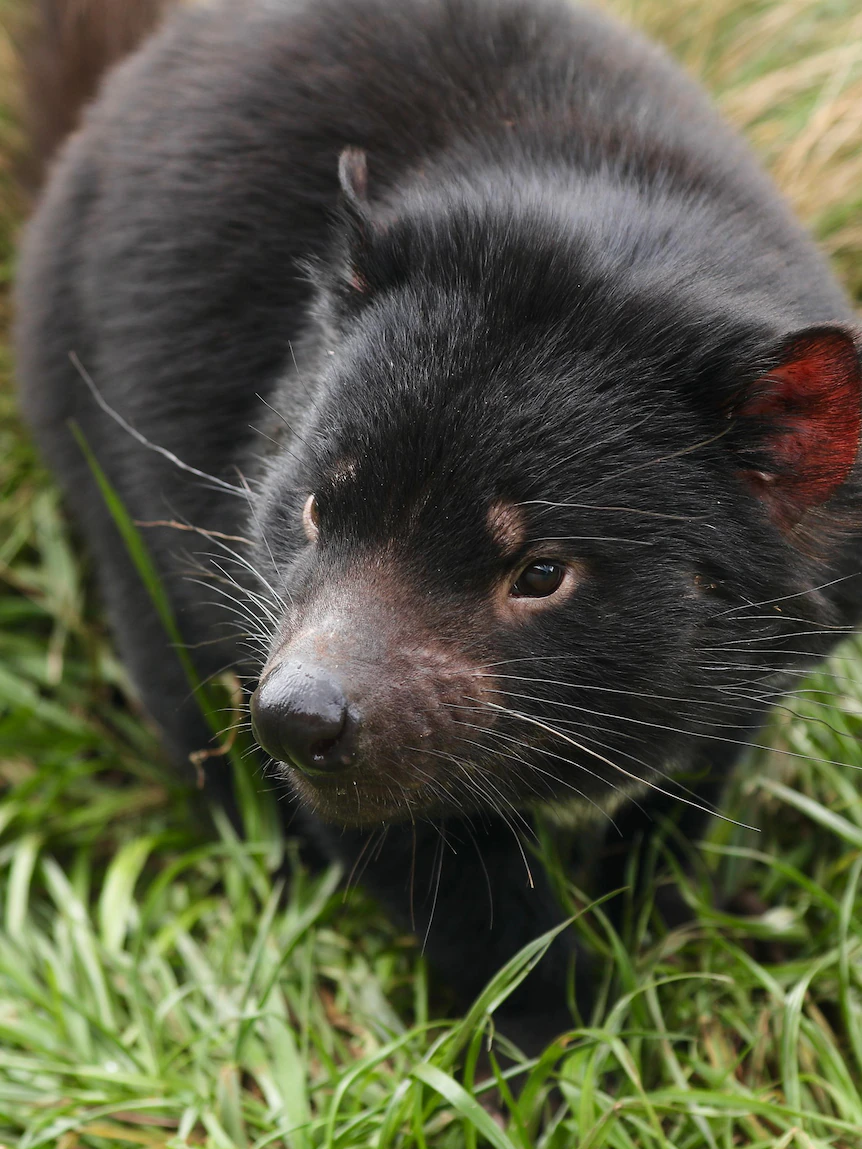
(538, 410)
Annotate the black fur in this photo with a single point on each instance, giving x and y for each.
(552, 289)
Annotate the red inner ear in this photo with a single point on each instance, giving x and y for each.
(810, 406)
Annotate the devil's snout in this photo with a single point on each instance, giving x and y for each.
(300, 715)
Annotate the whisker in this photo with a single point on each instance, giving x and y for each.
(618, 751)
(698, 734)
(595, 539)
(243, 561)
(492, 799)
(780, 671)
(795, 594)
(142, 439)
(689, 450)
(487, 876)
(258, 599)
(438, 865)
(628, 510)
(608, 762)
(536, 769)
(261, 532)
(281, 417)
(783, 636)
(614, 690)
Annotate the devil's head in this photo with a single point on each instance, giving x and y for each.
(541, 507)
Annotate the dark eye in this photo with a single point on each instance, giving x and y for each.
(310, 518)
(539, 580)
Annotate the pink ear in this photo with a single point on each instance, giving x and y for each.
(808, 411)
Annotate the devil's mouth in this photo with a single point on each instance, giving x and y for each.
(354, 799)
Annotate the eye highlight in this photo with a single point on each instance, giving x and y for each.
(539, 580)
(311, 519)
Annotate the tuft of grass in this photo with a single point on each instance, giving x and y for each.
(161, 988)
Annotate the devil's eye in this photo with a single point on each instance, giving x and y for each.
(539, 579)
(311, 518)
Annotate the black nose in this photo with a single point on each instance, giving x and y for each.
(299, 714)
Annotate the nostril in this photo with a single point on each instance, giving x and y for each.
(321, 749)
(300, 715)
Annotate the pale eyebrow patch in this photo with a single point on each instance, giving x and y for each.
(507, 526)
(343, 472)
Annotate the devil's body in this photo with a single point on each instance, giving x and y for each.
(562, 274)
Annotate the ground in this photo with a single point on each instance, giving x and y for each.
(159, 988)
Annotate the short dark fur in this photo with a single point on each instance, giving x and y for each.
(561, 285)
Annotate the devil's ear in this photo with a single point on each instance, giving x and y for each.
(797, 427)
(353, 177)
(357, 224)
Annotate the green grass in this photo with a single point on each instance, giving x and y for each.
(158, 987)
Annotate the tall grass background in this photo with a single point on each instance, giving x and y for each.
(161, 987)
